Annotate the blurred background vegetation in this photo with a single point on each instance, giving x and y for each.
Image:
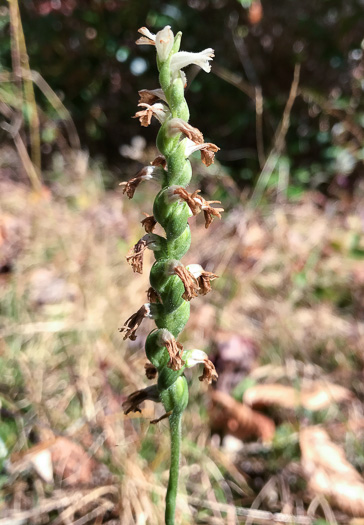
(85, 51)
(279, 438)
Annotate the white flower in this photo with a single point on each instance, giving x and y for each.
(164, 40)
(170, 196)
(194, 357)
(195, 269)
(191, 147)
(183, 59)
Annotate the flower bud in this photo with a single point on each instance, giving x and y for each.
(164, 40)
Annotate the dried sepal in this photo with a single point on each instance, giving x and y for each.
(136, 398)
(132, 324)
(149, 223)
(153, 296)
(209, 373)
(175, 351)
(135, 255)
(150, 370)
(189, 282)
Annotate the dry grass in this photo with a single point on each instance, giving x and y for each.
(290, 281)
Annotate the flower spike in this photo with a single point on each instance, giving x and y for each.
(168, 296)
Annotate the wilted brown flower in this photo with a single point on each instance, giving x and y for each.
(189, 282)
(197, 204)
(150, 96)
(132, 324)
(149, 223)
(207, 149)
(135, 255)
(178, 125)
(175, 351)
(153, 296)
(189, 198)
(208, 211)
(145, 173)
(150, 370)
(136, 398)
(160, 160)
(204, 282)
(209, 373)
(158, 110)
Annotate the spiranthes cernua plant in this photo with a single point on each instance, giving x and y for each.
(172, 285)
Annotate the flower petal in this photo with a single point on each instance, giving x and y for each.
(184, 58)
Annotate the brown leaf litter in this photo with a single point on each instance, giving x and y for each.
(234, 418)
(329, 473)
(317, 395)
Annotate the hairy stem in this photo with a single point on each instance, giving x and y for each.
(175, 429)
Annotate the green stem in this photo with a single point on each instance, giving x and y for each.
(175, 429)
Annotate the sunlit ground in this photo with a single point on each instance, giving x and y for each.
(282, 429)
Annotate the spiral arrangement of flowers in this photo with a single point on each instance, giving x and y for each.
(172, 285)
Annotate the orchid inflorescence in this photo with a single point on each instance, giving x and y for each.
(173, 285)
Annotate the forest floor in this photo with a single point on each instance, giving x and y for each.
(278, 439)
